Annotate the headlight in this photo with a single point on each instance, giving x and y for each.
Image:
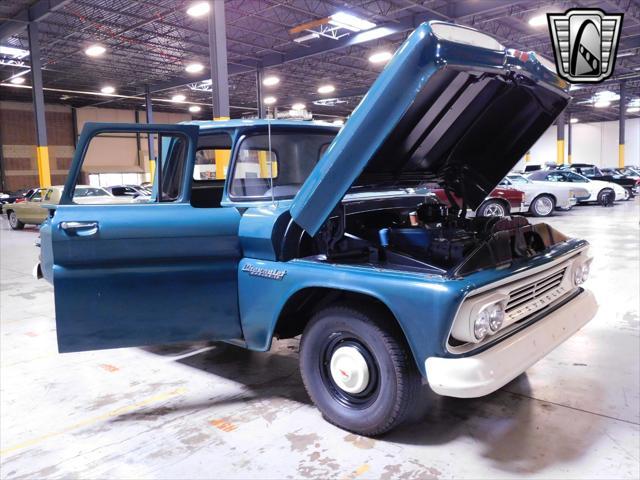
(481, 325)
(581, 273)
(496, 316)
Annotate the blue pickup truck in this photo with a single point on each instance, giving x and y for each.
(301, 228)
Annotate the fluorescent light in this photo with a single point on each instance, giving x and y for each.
(538, 20)
(194, 68)
(17, 80)
(350, 22)
(305, 38)
(198, 9)
(178, 98)
(574, 120)
(13, 52)
(633, 109)
(270, 81)
(602, 104)
(95, 50)
(625, 54)
(298, 106)
(380, 57)
(338, 121)
(326, 89)
(269, 100)
(108, 89)
(606, 95)
(194, 108)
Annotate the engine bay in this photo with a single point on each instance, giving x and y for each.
(419, 232)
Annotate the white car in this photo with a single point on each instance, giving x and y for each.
(597, 188)
(542, 198)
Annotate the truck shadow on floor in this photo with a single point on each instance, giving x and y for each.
(516, 433)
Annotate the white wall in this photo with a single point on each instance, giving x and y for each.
(595, 143)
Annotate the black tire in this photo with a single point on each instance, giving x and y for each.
(493, 208)
(604, 192)
(14, 223)
(542, 206)
(394, 382)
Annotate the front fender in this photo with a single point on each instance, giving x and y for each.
(424, 305)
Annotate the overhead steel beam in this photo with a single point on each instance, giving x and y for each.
(37, 94)
(36, 12)
(218, 61)
(318, 47)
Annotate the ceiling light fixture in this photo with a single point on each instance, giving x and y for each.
(602, 104)
(270, 81)
(108, 90)
(574, 120)
(350, 22)
(298, 106)
(538, 20)
(17, 80)
(95, 50)
(194, 68)
(380, 57)
(633, 109)
(194, 108)
(13, 52)
(338, 121)
(178, 98)
(269, 100)
(198, 9)
(326, 89)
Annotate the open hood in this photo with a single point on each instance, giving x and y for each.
(453, 107)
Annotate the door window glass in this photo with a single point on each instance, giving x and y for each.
(212, 157)
(36, 196)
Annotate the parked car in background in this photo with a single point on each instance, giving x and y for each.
(541, 199)
(127, 190)
(631, 172)
(499, 203)
(33, 212)
(597, 189)
(18, 195)
(593, 172)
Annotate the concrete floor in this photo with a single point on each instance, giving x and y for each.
(197, 411)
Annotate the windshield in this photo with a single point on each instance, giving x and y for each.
(288, 160)
(518, 179)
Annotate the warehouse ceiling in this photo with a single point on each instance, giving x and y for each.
(149, 43)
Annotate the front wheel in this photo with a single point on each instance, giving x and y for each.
(542, 206)
(14, 223)
(357, 369)
(492, 208)
(628, 194)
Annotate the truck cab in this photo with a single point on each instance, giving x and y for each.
(262, 229)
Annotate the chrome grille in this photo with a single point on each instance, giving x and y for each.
(528, 294)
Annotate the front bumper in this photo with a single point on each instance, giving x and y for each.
(486, 372)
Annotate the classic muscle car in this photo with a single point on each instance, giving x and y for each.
(596, 188)
(541, 199)
(313, 231)
(31, 211)
(592, 172)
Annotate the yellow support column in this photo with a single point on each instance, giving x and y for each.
(152, 171)
(44, 170)
(222, 162)
(527, 157)
(621, 155)
(220, 119)
(560, 152)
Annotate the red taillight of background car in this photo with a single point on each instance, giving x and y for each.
(638, 181)
(20, 200)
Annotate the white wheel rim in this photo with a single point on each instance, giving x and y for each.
(349, 370)
(544, 206)
(13, 219)
(494, 210)
(626, 194)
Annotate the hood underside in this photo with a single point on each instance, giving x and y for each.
(455, 114)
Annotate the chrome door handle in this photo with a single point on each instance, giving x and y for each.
(80, 228)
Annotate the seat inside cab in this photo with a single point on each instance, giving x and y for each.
(210, 169)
